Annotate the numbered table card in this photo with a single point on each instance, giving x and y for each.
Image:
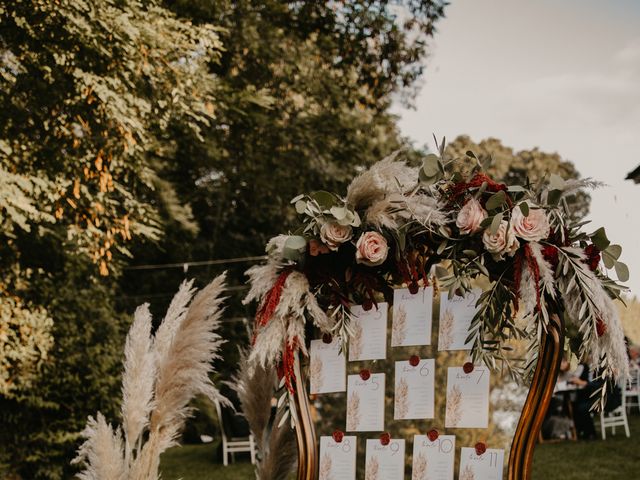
(369, 338)
(467, 398)
(365, 403)
(338, 460)
(456, 315)
(412, 317)
(433, 460)
(414, 390)
(487, 466)
(384, 462)
(327, 367)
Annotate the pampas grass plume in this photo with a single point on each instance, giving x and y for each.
(161, 375)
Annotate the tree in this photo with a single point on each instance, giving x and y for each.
(89, 92)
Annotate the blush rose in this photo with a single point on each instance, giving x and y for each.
(502, 242)
(333, 234)
(534, 227)
(470, 217)
(371, 249)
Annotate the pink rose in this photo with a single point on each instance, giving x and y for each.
(503, 241)
(371, 249)
(471, 216)
(333, 234)
(534, 227)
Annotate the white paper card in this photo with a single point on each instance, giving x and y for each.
(365, 403)
(384, 462)
(433, 460)
(369, 339)
(412, 317)
(467, 398)
(338, 460)
(455, 319)
(487, 466)
(327, 367)
(414, 390)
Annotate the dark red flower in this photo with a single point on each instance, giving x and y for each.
(481, 447)
(337, 436)
(413, 288)
(550, 254)
(467, 367)
(327, 338)
(601, 327)
(593, 257)
(385, 438)
(367, 304)
(414, 360)
(365, 374)
(433, 434)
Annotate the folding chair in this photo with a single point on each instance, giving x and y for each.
(232, 442)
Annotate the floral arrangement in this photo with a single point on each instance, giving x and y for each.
(413, 226)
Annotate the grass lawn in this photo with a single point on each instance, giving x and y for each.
(617, 458)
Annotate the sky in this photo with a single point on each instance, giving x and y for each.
(560, 75)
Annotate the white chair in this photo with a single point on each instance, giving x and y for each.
(232, 444)
(615, 418)
(632, 390)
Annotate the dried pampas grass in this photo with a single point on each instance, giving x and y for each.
(161, 375)
(277, 449)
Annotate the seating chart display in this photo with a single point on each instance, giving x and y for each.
(379, 387)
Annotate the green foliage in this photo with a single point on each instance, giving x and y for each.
(40, 427)
(505, 165)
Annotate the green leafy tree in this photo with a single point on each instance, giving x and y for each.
(90, 91)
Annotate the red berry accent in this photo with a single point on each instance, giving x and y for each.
(481, 447)
(413, 288)
(467, 367)
(433, 435)
(385, 438)
(365, 374)
(327, 338)
(367, 305)
(601, 327)
(593, 256)
(414, 360)
(337, 436)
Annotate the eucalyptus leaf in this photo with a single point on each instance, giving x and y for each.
(608, 259)
(294, 248)
(614, 250)
(599, 239)
(524, 208)
(470, 154)
(554, 197)
(495, 224)
(496, 200)
(301, 206)
(339, 212)
(622, 271)
(297, 198)
(431, 165)
(325, 199)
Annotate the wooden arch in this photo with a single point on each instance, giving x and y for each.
(527, 432)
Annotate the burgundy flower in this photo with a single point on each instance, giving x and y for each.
(433, 434)
(481, 447)
(550, 253)
(385, 438)
(337, 436)
(601, 327)
(593, 257)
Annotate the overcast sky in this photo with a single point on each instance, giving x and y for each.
(561, 75)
